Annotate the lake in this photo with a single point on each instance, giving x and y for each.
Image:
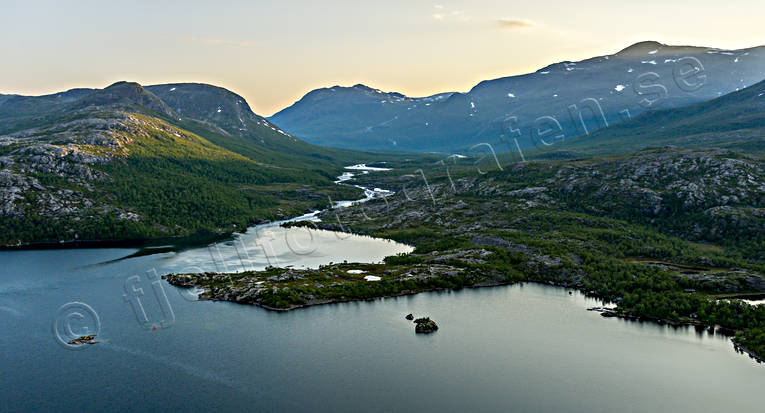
(513, 348)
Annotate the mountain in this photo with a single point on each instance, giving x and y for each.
(735, 121)
(129, 162)
(226, 119)
(325, 114)
(646, 75)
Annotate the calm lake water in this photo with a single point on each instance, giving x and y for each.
(514, 348)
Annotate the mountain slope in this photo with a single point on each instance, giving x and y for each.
(620, 83)
(735, 121)
(123, 164)
(225, 118)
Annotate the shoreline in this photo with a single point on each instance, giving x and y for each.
(185, 241)
(317, 303)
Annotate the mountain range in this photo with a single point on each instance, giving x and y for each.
(135, 163)
(644, 76)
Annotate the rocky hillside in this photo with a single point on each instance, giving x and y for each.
(122, 163)
(708, 195)
(646, 75)
(711, 195)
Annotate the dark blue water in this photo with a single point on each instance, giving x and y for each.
(518, 348)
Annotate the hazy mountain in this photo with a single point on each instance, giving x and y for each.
(646, 75)
(326, 115)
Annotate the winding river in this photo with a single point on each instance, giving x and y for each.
(513, 348)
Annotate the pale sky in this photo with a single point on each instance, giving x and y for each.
(273, 52)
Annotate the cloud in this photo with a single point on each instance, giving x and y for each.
(513, 24)
(449, 15)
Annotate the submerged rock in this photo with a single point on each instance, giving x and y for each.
(425, 325)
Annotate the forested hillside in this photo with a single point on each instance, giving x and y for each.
(124, 164)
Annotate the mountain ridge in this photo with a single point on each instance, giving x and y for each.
(127, 93)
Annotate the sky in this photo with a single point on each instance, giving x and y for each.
(273, 52)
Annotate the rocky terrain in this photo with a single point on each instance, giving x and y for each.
(703, 195)
(66, 154)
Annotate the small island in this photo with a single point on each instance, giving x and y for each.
(425, 325)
